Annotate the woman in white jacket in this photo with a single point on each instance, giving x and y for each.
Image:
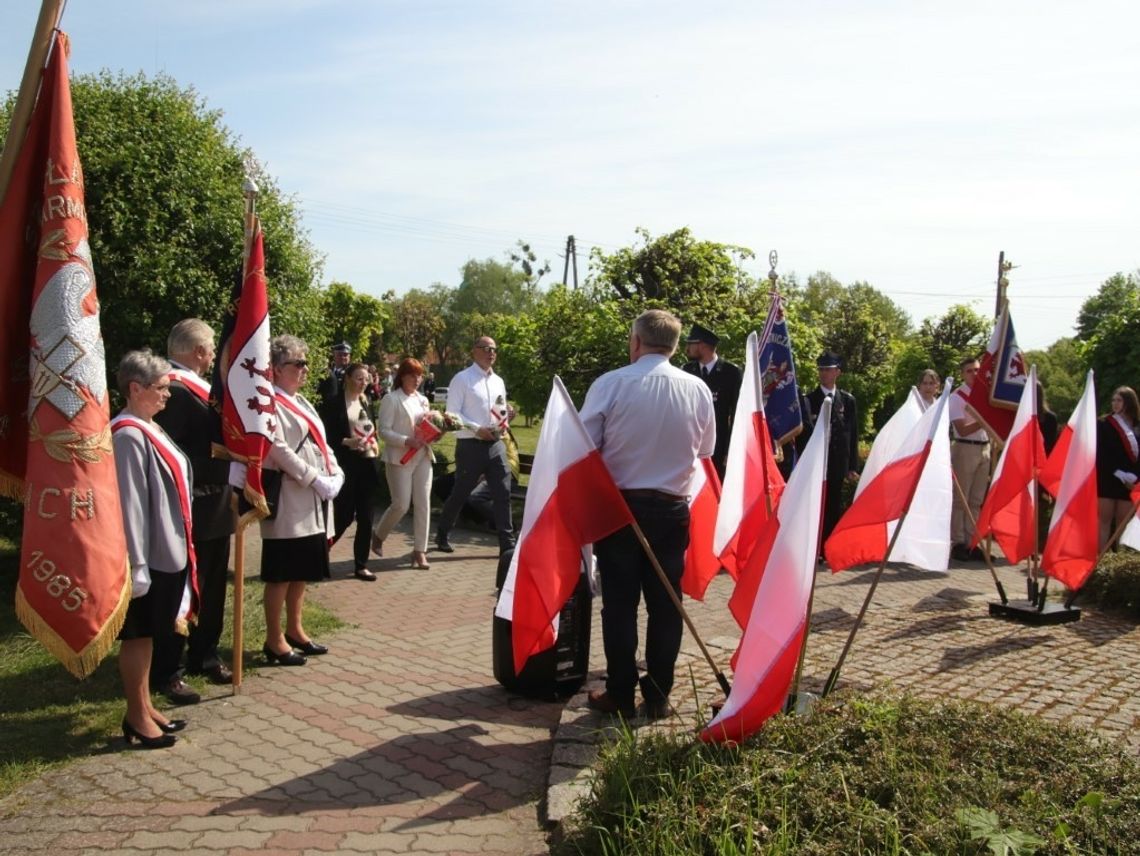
(408, 483)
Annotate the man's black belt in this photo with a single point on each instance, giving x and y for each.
(970, 442)
(648, 493)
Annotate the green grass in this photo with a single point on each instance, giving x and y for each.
(50, 718)
(866, 775)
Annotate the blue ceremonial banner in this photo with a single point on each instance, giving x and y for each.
(778, 377)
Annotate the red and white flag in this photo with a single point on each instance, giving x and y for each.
(571, 502)
(1001, 377)
(1010, 509)
(772, 595)
(752, 482)
(701, 561)
(1050, 476)
(1131, 535)
(864, 532)
(1071, 547)
(243, 376)
(55, 436)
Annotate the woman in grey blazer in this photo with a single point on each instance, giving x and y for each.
(155, 485)
(408, 483)
(294, 542)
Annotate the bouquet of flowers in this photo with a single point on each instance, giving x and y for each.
(430, 426)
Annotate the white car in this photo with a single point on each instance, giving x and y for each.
(439, 395)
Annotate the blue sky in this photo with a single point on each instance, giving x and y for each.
(900, 143)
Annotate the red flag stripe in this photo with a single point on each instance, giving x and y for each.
(1071, 549)
(701, 563)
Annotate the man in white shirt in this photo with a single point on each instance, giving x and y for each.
(970, 460)
(478, 397)
(651, 422)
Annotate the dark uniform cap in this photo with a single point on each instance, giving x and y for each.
(703, 334)
(342, 348)
(829, 360)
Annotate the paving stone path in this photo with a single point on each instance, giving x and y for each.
(400, 741)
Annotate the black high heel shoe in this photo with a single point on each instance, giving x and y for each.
(311, 648)
(160, 742)
(172, 726)
(289, 658)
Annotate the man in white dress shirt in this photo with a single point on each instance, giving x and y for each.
(478, 397)
(651, 422)
(970, 460)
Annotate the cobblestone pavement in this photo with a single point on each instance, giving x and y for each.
(400, 741)
(925, 633)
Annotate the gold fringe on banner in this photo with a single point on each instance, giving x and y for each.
(85, 662)
(11, 486)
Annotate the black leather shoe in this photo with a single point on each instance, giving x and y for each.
(960, 553)
(173, 726)
(179, 692)
(310, 648)
(654, 710)
(160, 742)
(289, 658)
(443, 545)
(603, 702)
(219, 674)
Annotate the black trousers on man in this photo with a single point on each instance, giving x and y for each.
(202, 654)
(475, 458)
(626, 574)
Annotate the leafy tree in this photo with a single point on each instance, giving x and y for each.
(1113, 296)
(416, 324)
(1061, 369)
(1113, 352)
(527, 261)
(164, 205)
(352, 317)
(697, 280)
(961, 332)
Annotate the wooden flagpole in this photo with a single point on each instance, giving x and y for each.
(721, 679)
(50, 13)
(250, 189)
(974, 525)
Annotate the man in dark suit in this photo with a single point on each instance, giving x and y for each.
(340, 355)
(723, 380)
(843, 451)
(194, 425)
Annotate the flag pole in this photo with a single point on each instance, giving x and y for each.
(720, 678)
(1107, 546)
(833, 678)
(50, 13)
(974, 524)
(249, 188)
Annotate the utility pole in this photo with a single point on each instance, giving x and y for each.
(571, 259)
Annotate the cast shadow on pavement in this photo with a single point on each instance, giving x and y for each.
(456, 770)
(894, 573)
(490, 703)
(968, 655)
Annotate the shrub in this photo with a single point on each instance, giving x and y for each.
(863, 775)
(1115, 585)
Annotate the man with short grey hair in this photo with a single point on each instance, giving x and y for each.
(194, 426)
(651, 422)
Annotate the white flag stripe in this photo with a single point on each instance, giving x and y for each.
(925, 538)
(732, 499)
(1082, 451)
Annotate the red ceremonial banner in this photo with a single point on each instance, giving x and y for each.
(55, 436)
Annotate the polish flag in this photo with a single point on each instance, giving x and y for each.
(701, 562)
(1050, 476)
(1071, 548)
(571, 502)
(886, 494)
(774, 592)
(1009, 511)
(751, 481)
(1131, 535)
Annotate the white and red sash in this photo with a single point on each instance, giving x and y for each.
(302, 408)
(191, 381)
(1127, 436)
(179, 469)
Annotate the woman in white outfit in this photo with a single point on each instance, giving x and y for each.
(411, 482)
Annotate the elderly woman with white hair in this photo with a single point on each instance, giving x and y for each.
(155, 489)
(295, 541)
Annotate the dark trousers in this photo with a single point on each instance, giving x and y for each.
(475, 458)
(354, 502)
(166, 661)
(833, 501)
(626, 573)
